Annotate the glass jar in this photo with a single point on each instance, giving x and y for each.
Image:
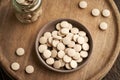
(28, 11)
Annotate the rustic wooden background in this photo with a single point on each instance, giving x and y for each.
(114, 73)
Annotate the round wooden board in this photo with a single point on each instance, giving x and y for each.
(13, 35)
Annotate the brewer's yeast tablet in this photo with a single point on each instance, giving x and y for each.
(29, 69)
(15, 66)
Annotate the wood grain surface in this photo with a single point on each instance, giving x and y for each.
(16, 34)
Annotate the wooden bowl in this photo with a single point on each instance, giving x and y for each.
(49, 28)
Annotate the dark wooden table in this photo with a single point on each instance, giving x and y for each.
(114, 73)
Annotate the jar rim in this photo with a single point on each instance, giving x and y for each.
(27, 8)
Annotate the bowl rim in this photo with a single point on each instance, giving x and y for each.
(50, 67)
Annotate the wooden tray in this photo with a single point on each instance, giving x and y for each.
(13, 34)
